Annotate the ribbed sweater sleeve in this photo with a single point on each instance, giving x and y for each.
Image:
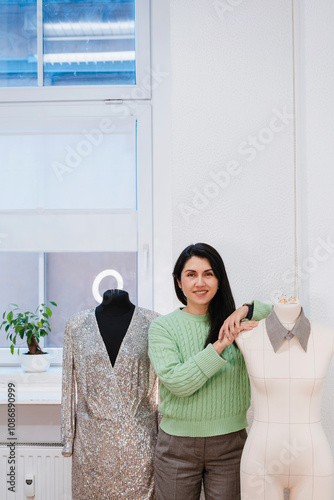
(181, 377)
(261, 310)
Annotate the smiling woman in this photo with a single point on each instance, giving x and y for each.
(204, 387)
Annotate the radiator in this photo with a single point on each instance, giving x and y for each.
(51, 471)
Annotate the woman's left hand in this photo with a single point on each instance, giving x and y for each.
(226, 337)
(222, 343)
(233, 331)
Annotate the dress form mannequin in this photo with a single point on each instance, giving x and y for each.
(109, 409)
(286, 447)
(113, 316)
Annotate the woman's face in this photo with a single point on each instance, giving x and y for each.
(199, 284)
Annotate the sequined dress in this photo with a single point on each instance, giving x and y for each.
(109, 413)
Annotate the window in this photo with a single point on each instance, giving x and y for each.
(18, 32)
(75, 208)
(16, 270)
(89, 42)
(74, 49)
(75, 139)
(76, 281)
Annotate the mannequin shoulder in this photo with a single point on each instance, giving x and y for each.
(80, 318)
(252, 337)
(147, 314)
(323, 330)
(245, 334)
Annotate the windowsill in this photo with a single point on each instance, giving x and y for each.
(32, 388)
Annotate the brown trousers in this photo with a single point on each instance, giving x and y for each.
(182, 463)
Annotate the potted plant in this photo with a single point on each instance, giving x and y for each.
(30, 326)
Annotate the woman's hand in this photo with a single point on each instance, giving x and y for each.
(233, 325)
(223, 342)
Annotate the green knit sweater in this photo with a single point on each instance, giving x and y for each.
(202, 393)
(261, 310)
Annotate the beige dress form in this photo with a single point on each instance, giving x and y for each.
(109, 414)
(287, 447)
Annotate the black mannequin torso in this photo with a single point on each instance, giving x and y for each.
(113, 317)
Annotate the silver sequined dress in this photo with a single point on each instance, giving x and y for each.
(109, 414)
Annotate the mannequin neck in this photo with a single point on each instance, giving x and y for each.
(115, 303)
(287, 313)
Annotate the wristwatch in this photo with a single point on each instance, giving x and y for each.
(250, 310)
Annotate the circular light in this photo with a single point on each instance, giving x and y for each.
(100, 277)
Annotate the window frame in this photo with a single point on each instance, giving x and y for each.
(141, 90)
(142, 113)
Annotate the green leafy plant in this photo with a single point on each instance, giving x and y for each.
(29, 325)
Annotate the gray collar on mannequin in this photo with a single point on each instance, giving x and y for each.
(277, 333)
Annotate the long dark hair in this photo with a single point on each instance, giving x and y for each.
(222, 304)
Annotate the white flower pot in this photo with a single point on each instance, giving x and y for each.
(35, 362)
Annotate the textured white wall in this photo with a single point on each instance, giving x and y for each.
(231, 66)
(232, 81)
(317, 173)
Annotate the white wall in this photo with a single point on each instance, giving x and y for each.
(231, 79)
(232, 75)
(317, 98)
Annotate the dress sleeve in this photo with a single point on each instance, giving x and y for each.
(261, 310)
(181, 378)
(153, 384)
(154, 395)
(68, 401)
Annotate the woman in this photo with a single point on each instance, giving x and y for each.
(204, 389)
